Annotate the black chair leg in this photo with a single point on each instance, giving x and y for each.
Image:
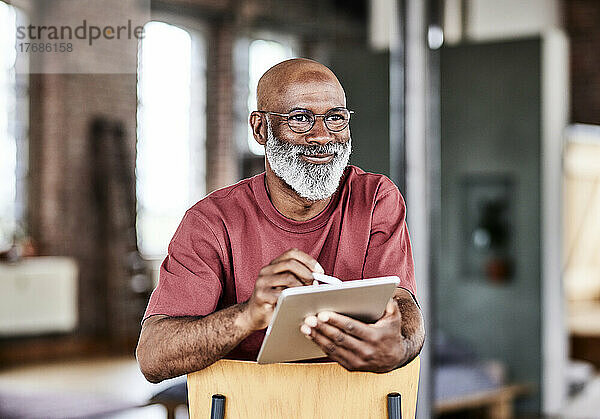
(217, 408)
(394, 402)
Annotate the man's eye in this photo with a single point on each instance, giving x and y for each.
(336, 117)
(299, 118)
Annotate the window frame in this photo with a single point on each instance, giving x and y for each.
(241, 60)
(18, 121)
(197, 121)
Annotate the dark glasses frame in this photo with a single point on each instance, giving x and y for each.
(313, 118)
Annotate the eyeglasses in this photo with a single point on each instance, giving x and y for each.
(302, 120)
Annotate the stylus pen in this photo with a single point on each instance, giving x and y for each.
(326, 278)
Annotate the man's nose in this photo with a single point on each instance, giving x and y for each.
(319, 134)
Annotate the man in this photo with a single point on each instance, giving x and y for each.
(238, 248)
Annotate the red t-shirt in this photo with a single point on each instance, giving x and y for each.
(226, 238)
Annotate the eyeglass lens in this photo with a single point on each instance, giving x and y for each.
(302, 120)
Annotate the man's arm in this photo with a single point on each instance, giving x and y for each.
(412, 324)
(172, 346)
(391, 342)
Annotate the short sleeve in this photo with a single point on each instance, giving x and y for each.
(389, 251)
(191, 274)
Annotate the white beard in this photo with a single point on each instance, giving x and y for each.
(314, 182)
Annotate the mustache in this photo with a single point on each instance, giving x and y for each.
(329, 148)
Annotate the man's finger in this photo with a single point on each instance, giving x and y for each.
(392, 307)
(353, 327)
(290, 265)
(338, 336)
(302, 257)
(391, 313)
(282, 281)
(344, 357)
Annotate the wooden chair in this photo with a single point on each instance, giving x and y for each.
(249, 390)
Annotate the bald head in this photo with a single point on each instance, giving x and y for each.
(290, 83)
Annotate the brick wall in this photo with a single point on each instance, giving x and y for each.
(583, 26)
(63, 212)
(221, 157)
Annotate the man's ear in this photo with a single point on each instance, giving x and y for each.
(259, 127)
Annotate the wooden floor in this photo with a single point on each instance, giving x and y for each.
(491, 404)
(120, 377)
(117, 377)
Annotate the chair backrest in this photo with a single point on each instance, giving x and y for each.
(318, 390)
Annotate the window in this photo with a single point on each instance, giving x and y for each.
(13, 132)
(170, 146)
(262, 55)
(582, 206)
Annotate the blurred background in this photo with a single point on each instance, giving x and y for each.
(485, 113)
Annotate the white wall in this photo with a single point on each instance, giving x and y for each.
(487, 20)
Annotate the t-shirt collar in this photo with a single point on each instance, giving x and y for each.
(272, 214)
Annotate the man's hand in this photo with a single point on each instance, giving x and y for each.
(379, 347)
(293, 268)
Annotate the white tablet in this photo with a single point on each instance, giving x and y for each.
(363, 299)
